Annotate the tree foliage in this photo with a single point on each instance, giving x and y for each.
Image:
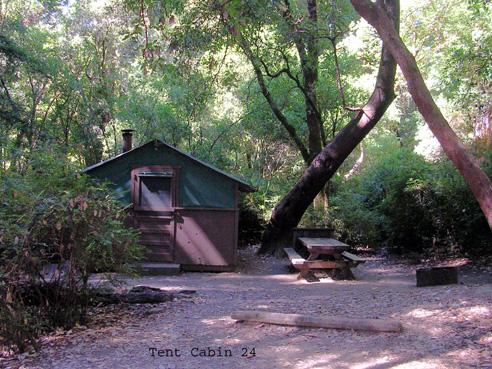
(408, 204)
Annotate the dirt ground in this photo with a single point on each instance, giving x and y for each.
(444, 326)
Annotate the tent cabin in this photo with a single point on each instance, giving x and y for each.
(186, 210)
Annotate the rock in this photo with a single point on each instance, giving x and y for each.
(436, 276)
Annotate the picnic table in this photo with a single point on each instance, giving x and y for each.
(340, 259)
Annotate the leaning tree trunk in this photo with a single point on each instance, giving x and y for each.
(289, 211)
(466, 164)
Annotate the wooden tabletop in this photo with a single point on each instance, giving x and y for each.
(323, 245)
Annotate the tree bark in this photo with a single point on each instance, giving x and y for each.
(310, 77)
(307, 45)
(289, 211)
(467, 165)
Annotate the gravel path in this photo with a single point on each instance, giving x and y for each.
(444, 327)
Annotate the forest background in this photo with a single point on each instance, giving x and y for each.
(74, 73)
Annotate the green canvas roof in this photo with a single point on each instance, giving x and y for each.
(243, 186)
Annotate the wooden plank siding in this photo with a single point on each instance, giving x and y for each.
(206, 237)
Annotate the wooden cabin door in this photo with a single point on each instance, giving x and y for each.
(153, 192)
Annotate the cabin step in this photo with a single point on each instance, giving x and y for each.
(159, 232)
(155, 254)
(163, 237)
(154, 228)
(154, 217)
(158, 258)
(160, 248)
(158, 268)
(155, 242)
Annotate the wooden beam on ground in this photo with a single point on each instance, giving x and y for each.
(377, 325)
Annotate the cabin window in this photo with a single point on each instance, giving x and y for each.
(154, 187)
(155, 192)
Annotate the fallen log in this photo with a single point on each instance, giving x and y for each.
(377, 325)
(49, 293)
(138, 295)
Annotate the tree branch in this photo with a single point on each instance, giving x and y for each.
(145, 21)
(287, 71)
(256, 64)
(224, 131)
(270, 74)
(339, 77)
(15, 108)
(299, 85)
(308, 50)
(273, 105)
(296, 35)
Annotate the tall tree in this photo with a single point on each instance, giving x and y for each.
(298, 26)
(289, 47)
(481, 186)
(58, 84)
(291, 208)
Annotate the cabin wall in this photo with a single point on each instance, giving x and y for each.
(206, 239)
(206, 212)
(198, 186)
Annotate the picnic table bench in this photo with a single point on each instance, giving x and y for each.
(341, 259)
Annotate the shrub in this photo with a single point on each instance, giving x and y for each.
(56, 227)
(410, 205)
(251, 223)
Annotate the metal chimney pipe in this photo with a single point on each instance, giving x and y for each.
(127, 139)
